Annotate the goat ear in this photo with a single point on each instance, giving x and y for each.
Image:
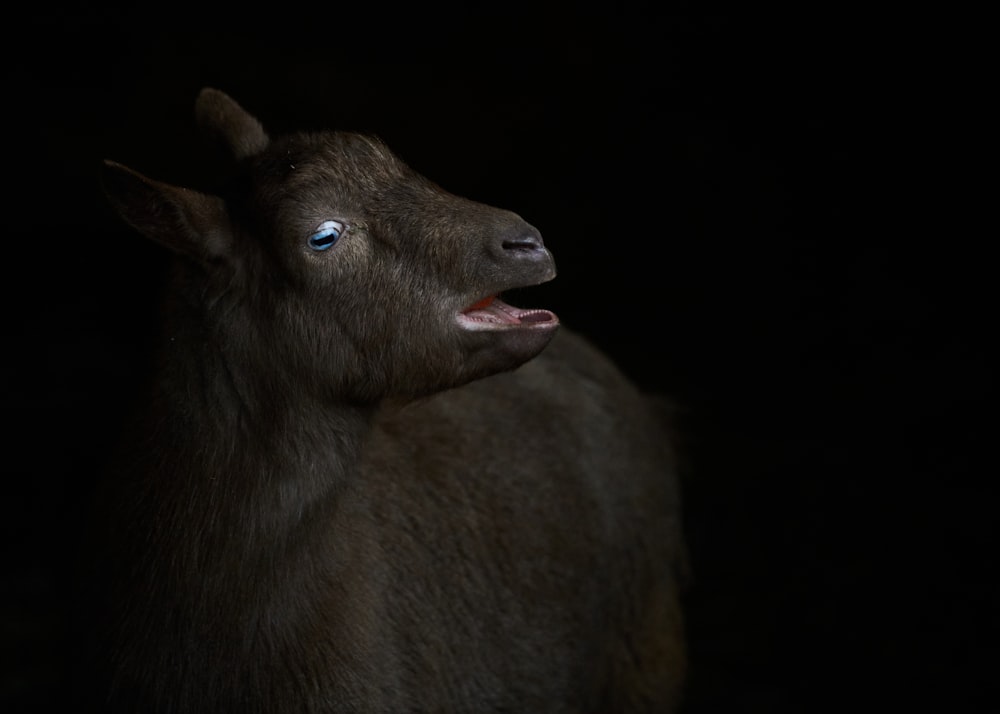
(185, 221)
(228, 122)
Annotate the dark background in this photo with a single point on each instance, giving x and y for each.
(749, 209)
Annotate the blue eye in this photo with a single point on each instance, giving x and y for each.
(326, 235)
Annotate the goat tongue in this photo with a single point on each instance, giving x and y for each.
(485, 302)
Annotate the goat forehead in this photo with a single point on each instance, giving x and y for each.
(350, 167)
(339, 156)
(341, 171)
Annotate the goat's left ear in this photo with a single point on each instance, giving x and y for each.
(185, 221)
(219, 115)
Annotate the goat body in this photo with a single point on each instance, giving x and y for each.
(364, 482)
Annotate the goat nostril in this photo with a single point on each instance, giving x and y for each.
(526, 243)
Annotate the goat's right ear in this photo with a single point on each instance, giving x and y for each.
(226, 121)
(185, 221)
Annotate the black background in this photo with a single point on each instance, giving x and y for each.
(748, 210)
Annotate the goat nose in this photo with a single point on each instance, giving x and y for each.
(526, 242)
(526, 245)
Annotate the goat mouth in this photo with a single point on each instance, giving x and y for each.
(492, 313)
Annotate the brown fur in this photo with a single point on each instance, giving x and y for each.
(337, 501)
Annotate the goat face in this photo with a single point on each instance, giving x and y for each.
(395, 276)
(331, 260)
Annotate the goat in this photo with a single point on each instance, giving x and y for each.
(362, 480)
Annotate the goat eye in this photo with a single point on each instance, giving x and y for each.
(326, 235)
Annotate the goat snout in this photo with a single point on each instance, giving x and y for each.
(528, 245)
(525, 243)
(522, 256)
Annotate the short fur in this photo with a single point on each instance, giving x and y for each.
(338, 500)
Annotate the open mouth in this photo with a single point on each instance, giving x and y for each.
(492, 313)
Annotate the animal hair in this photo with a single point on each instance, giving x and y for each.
(362, 481)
